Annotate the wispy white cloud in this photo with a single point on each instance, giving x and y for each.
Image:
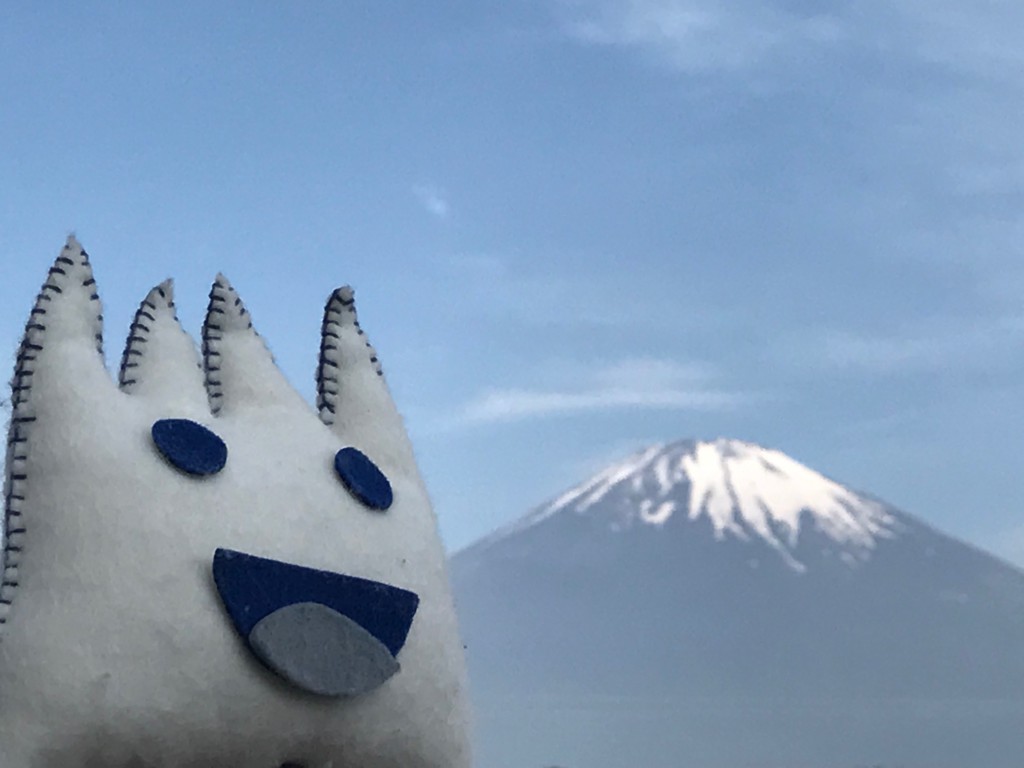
(954, 141)
(950, 344)
(644, 383)
(433, 199)
(696, 36)
(708, 35)
(886, 354)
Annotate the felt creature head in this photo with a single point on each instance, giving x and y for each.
(199, 570)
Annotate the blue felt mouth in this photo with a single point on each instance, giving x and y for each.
(253, 588)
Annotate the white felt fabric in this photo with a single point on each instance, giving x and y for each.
(116, 651)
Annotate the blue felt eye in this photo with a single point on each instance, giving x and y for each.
(363, 479)
(189, 446)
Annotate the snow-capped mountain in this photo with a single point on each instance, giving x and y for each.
(742, 490)
(722, 571)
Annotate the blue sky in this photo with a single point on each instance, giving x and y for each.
(573, 227)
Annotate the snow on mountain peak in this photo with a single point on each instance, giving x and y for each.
(743, 490)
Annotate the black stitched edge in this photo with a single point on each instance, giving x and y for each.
(212, 334)
(327, 384)
(138, 334)
(22, 419)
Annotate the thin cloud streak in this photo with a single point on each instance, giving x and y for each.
(648, 384)
(701, 36)
(694, 37)
(516, 404)
(966, 343)
(976, 344)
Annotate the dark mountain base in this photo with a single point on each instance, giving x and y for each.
(749, 733)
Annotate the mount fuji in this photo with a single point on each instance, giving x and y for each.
(701, 583)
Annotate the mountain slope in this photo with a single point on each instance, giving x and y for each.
(728, 571)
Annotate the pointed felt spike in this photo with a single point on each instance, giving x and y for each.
(352, 396)
(240, 371)
(64, 333)
(65, 325)
(160, 360)
(68, 306)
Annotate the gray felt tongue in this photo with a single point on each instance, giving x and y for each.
(322, 651)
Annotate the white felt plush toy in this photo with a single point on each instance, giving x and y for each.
(199, 570)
